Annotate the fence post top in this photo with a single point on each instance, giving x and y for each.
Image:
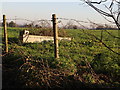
(54, 14)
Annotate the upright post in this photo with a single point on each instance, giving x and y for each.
(101, 35)
(55, 32)
(5, 33)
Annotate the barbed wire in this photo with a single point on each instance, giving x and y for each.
(73, 20)
(83, 21)
(31, 21)
(77, 21)
(20, 19)
(50, 20)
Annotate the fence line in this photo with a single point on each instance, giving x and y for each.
(59, 18)
(77, 21)
(101, 37)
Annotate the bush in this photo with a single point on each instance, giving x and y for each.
(47, 32)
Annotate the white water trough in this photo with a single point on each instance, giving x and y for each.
(26, 38)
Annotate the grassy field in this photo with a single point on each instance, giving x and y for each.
(88, 55)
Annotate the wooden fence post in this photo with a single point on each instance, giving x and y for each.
(55, 32)
(5, 33)
(101, 35)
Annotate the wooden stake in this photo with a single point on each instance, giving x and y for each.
(55, 31)
(101, 35)
(5, 33)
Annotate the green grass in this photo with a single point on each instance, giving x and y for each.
(81, 48)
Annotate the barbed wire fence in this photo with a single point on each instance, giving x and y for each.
(74, 48)
(90, 33)
(47, 24)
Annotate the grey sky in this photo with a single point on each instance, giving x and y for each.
(44, 10)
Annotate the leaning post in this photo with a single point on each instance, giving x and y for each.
(5, 33)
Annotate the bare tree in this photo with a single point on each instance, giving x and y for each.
(112, 9)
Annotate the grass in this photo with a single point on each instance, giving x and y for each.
(84, 57)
